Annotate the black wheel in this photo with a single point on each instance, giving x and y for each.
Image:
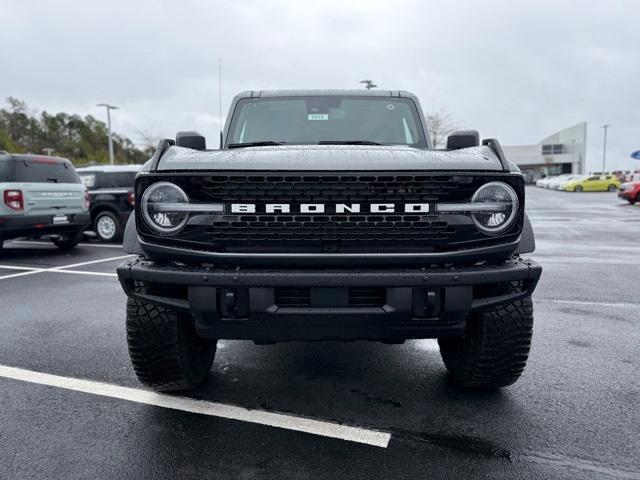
(494, 349)
(578, 189)
(108, 227)
(67, 242)
(612, 188)
(166, 353)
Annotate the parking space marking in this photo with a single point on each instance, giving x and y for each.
(593, 304)
(21, 274)
(84, 272)
(63, 268)
(91, 262)
(14, 267)
(322, 428)
(99, 245)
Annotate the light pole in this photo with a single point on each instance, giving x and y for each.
(604, 147)
(109, 108)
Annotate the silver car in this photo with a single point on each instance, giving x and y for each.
(42, 197)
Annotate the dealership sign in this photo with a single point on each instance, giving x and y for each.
(636, 155)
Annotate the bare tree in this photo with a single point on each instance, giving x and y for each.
(147, 141)
(440, 125)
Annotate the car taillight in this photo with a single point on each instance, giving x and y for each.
(131, 198)
(14, 199)
(87, 201)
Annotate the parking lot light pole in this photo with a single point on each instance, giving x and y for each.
(604, 147)
(109, 108)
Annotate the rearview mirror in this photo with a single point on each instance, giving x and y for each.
(191, 140)
(463, 139)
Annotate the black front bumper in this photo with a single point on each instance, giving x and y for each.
(243, 303)
(41, 225)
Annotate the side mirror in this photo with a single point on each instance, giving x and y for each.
(463, 139)
(191, 140)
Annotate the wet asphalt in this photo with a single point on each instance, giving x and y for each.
(575, 413)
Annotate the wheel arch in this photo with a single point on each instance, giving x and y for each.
(527, 242)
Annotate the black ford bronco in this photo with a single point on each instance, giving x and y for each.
(329, 215)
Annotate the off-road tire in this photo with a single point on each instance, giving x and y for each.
(166, 353)
(494, 349)
(68, 242)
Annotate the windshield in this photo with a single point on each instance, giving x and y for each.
(326, 119)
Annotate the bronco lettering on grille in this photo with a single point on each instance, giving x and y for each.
(333, 208)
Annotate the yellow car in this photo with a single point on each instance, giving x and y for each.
(595, 183)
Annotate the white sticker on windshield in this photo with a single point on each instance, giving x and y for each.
(318, 116)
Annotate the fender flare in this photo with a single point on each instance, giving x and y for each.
(527, 242)
(130, 242)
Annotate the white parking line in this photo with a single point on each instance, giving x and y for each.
(63, 268)
(15, 267)
(593, 304)
(21, 274)
(98, 245)
(83, 272)
(91, 262)
(279, 420)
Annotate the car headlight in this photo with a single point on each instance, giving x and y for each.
(165, 207)
(497, 207)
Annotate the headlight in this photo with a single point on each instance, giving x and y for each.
(164, 207)
(498, 205)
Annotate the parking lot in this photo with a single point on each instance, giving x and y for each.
(329, 410)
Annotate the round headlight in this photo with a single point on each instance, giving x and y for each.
(160, 207)
(497, 204)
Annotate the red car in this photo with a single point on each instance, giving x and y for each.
(630, 191)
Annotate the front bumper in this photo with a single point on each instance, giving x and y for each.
(239, 303)
(41, 225)
(628, 194)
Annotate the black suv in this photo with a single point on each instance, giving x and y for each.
(328, 215)
(110, 188)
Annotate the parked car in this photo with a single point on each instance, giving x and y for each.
(110, 189)
(42, 197)
(594, 183)
(630, 192)
(556, 183)
(543, 181)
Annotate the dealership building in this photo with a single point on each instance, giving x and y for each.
(562, 152)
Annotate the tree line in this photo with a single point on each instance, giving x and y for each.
(83, 140)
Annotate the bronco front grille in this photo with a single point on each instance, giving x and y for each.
(329, 232)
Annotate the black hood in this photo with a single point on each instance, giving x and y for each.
(332, 158)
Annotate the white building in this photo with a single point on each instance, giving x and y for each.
(563, 152)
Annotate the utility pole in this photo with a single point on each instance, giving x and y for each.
(220, 98)
(109, 108)
(604, 148)
(368, 84)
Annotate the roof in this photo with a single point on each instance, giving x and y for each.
(110, 168)
(326, 92)
(31, 156)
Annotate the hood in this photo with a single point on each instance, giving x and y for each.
(332, 158)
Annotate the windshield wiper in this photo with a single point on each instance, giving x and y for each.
(348, 142)
(265, 143)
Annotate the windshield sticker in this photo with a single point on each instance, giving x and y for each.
(390, 106)
(318, 116)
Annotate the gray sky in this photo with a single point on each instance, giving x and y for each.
(517, 71)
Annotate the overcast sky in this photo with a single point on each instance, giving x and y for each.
(515, 72)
